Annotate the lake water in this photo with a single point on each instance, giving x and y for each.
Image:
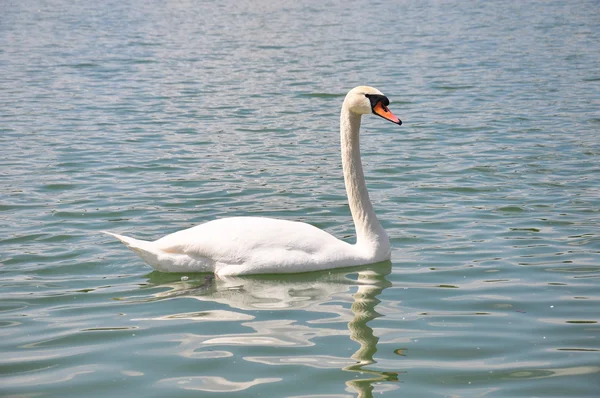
(147, 117)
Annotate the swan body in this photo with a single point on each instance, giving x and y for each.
(258, 245)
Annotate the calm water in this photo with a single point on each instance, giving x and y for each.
(149, 117)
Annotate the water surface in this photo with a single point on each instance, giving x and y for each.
(149, 117)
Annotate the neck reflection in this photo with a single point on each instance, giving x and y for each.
(316, 293)
(363, 308)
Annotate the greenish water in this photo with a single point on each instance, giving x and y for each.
(149, 117)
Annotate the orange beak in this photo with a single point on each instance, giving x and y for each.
(381, 110)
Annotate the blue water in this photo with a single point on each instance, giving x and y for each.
(148, 117)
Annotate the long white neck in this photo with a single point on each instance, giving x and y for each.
(370, 235)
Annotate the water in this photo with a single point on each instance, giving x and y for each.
(149, 117)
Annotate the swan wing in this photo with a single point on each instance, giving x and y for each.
(249, 245)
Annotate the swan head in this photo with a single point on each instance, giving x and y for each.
(364, 100)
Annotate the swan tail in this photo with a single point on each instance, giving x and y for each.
(129, 242)
(142, 248)
(165, 260)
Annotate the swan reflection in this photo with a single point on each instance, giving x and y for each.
(326, 292)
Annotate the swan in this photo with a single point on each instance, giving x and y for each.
(259, 245)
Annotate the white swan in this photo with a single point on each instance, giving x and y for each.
(257, 245)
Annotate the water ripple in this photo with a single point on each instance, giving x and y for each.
(149, 118)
